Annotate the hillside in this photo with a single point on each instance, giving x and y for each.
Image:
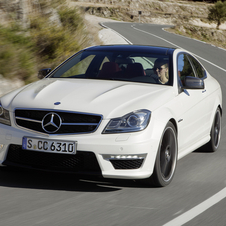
(169, 11)
(189, 18)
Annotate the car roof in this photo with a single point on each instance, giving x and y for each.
(133, 48)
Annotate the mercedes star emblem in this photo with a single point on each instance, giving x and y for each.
(51, 122)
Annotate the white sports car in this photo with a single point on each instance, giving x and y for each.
(121, 111)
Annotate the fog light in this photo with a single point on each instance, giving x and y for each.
(1, 146)
(124, 157)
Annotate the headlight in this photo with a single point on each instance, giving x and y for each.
(4, 116)
(132, 122)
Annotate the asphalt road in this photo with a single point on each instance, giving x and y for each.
(195, 197)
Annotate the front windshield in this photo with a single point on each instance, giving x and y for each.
(123, 66)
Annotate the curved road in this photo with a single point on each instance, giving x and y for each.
(195, 197)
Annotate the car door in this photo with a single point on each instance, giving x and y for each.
(192, 123)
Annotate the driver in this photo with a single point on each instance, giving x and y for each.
(161, 69)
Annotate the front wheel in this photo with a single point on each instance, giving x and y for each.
(166, 159)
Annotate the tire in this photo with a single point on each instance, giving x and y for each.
(166, 159)
(215, 133)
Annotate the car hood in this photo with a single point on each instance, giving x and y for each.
(108, 98)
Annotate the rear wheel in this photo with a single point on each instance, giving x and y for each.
(166, 159)
(215, 133)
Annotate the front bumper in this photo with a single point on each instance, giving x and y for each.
(125, 156)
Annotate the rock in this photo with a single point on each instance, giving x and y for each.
(23, 13)
(54, 18)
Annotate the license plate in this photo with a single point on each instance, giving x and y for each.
(51, 146)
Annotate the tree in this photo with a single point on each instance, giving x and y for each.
(217, 13)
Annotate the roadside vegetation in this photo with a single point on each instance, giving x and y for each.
(205, 34)
(16, 53)
(217, 13)
(46, 43)
(211, 35)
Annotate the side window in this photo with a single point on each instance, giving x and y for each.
(198, 67)
(184, 68)
(104, 61)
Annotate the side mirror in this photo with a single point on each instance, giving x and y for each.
(43, 72)
(193, 83)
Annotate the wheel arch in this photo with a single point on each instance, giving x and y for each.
(221, 110)
(175, 124)
(162, 117)
(217, 106)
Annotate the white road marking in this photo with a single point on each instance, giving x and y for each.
(155, 36)
(210, 63)
(194, 212)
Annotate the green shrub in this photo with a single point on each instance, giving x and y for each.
(217, 13)
(70, 18)
(26, 65)
(24, 52)
(14, 36)
(6, 59)
(15, 49)
(52, 42)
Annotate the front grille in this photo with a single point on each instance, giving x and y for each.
(81, 163)
(127, 164)
(57, 122)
